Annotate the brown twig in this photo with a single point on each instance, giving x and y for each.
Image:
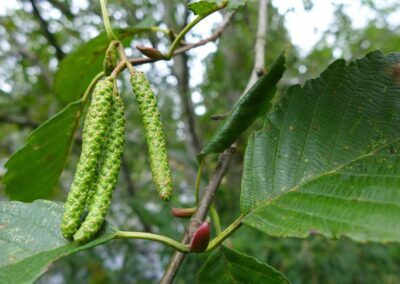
(259, 47)
(200, 214)
(124, 58)
(223, 161)
(216, 34)
(49, 36)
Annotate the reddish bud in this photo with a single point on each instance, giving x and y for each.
(183, 212)
(201, 238)
(150, 52)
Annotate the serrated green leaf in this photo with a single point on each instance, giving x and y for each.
(229, 266)
(34, 170)
(30, 239)
(256, 102)
(78, 68)
(327, 160)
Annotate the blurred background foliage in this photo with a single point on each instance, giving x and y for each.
(36, 35)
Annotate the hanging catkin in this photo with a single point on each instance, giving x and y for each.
(108, 174)
(95, 127)
(154, 134)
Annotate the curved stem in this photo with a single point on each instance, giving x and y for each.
(106, 20)
(180, 36)
(124, 58)
(91, 86)
(198, 180)
(183, 32)
(118, 69)
(215, 219)
(153, 237)
(216, 34)
(158, 29)
(225, 234)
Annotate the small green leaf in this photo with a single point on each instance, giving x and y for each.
(256, 102)
(203, 7)
(30, 239)
(235, 4)
(327, 160)
(34, 170)
(78, 68)
(229, 266)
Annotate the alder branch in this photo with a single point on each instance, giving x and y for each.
(259, 47)
(215, 35)
(223, 161)
(48, 35)
(200, 214)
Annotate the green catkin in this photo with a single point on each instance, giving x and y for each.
(95, 127)
(108, 174)
(154, 134)
(92, 189)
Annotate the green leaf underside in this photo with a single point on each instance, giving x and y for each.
(206, 6)
(327, 159)
(34, 170)
(30, 239)
(77, 70)
(256, 102)
(203, 7)
(226, 265)
(236, 4)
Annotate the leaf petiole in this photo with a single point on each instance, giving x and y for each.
(106, 20)
(198, 180)
(153, 237)
(91, 86)
(188, 27)
(215, 219)
(214, 243)
(177, 245)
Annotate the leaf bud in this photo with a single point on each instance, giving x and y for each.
(201, 238)
(183, 212)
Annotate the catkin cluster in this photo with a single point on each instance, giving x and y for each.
(97, 170)
(102, 146)
(154, 134)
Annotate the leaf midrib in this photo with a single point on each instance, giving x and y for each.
(317, 177)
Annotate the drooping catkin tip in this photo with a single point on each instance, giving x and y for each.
(166, 196)
(66, 229)
(80, 237)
